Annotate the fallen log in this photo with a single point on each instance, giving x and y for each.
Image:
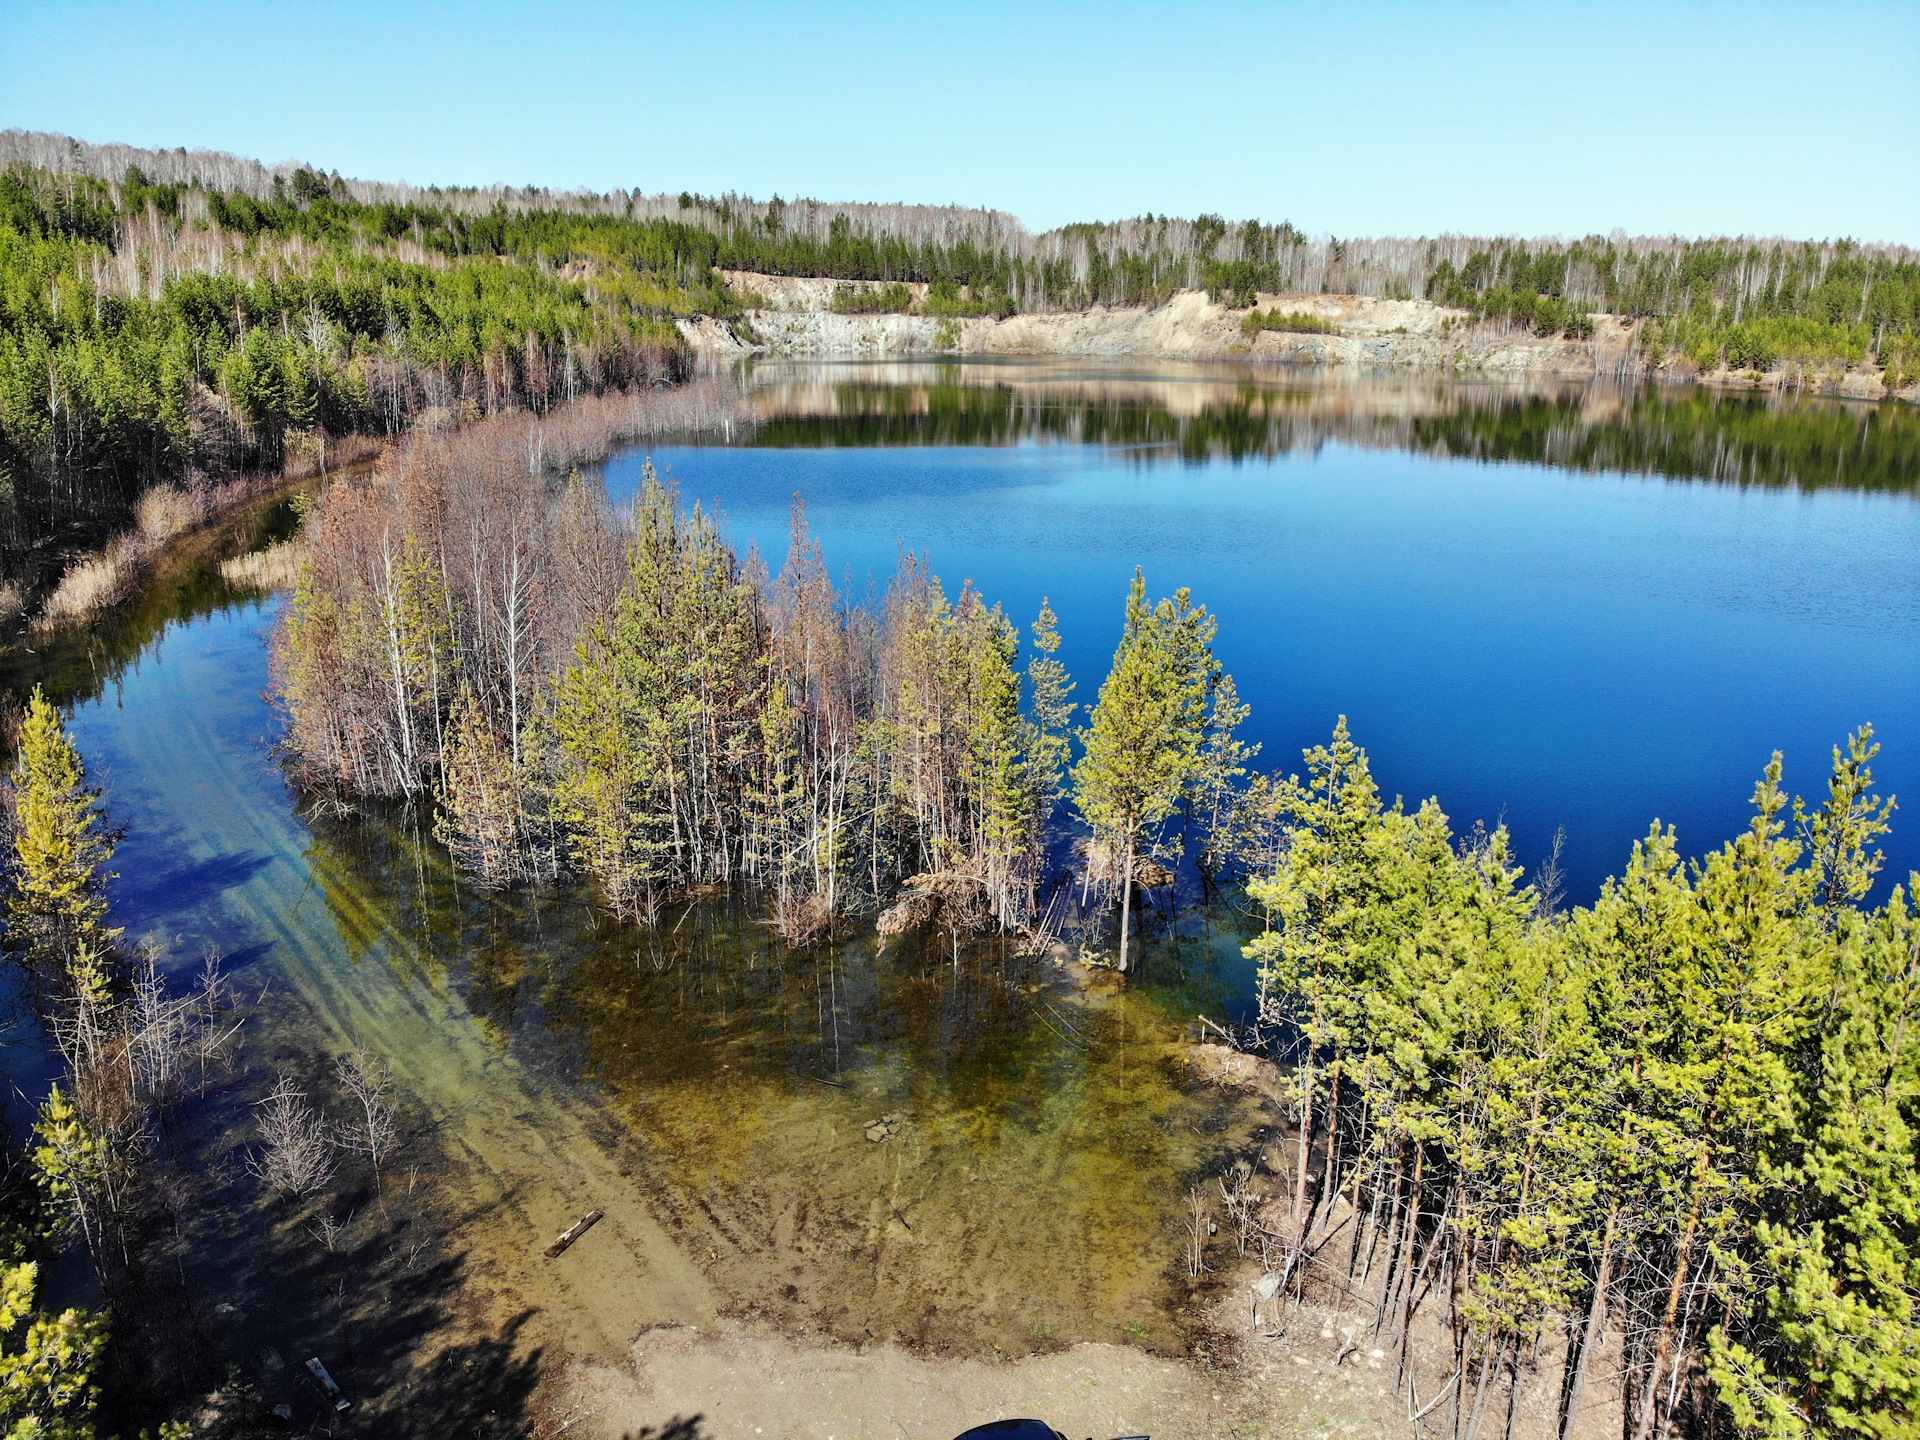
(573, 1232)
(328, 1389)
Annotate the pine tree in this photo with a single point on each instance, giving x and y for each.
(1143, 742)
(46, 1363)
(480, 818)
(1832, 1346)
(1829, 1343)
(56, 903)
(1323, 906)
(1050, 711)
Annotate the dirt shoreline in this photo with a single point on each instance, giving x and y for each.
(1368, 333)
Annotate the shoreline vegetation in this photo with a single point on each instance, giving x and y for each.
(1512, 1132)
(186, 318)
(1624, 1154)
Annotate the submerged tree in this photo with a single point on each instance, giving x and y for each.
(666, 717)
(1145, 743)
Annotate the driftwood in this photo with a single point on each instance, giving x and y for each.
(328, 1389)
(573, 1232)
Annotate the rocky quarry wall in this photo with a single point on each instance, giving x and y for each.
(797, 319)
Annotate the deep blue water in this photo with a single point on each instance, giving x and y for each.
(1551, 648)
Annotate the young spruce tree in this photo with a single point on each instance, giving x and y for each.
(56, 904)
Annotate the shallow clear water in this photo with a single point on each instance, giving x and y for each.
(1585, 647)
(704, 1087)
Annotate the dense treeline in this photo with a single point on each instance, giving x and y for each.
(1673, 1132)
(1742, 305)
(1551, 286)
(208, 314)
(139, 344)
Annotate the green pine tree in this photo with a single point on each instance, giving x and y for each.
(56, 903)
(1144, 740)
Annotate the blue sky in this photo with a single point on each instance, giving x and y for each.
(1350, 118)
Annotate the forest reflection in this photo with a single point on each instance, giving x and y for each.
(1194, 413)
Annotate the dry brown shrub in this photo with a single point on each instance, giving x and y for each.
(165, 512)
(909, 913)
(275, 568)
(803, 923)
(92, 583)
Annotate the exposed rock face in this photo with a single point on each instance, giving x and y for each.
(1370, 332)
(804, 293)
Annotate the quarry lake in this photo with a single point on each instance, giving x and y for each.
(1569, 608)
(1565, 609)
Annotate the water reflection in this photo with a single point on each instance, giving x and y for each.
(77, 664)
(1196, 413)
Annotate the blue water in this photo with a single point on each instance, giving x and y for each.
(1542, 647)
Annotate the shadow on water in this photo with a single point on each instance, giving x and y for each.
(1198, 413)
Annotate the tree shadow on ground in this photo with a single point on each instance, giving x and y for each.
(681, 1427)
(480, 1389)
(236, 1289)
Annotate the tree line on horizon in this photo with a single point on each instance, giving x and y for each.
(211, 316)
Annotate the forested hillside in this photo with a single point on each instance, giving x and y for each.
(151, 332)
(171, 313)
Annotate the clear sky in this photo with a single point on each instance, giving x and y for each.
(1350, 117)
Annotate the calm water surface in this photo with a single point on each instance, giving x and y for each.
(1561, 608)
